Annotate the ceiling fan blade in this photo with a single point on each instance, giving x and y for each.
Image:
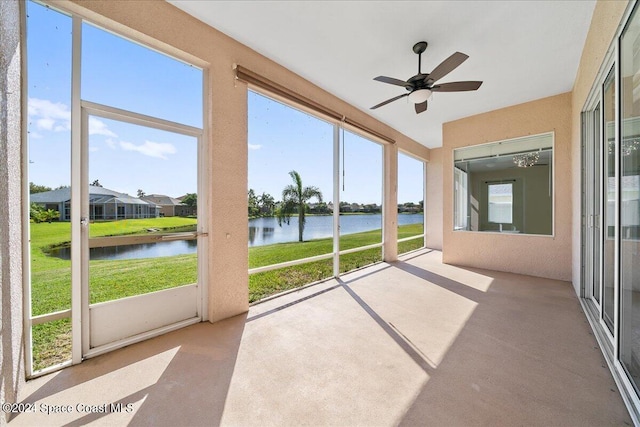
(457, 86)
(389, 100)
(421, 107)
(447, 66)
(391, 80)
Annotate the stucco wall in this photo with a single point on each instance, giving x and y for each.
(11, 331)
(434, 199)
(167, 28)
(542, 256)
(604, 25)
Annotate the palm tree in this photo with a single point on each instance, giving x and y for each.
(295, 198)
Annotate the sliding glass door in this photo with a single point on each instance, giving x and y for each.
(611, 208)
(630, 200)
(610, 196)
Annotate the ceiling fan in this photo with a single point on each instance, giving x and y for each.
(421, 86)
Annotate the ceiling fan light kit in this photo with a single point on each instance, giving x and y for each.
(421, 86)
(419, 96)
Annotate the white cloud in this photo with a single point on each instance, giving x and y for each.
(56, 117)
(111, 143)
(93, 149)
(45, 124)
(255, 146)
(150, 148)
(97, 127)
(48, 115)
(35, 135)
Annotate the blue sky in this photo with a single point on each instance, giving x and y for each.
(126, 158)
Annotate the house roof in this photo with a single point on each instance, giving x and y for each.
(162, 200)
(96, 195)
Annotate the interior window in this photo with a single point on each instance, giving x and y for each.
(501, 203)
(505, 186)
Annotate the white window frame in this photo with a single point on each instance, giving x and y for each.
(489, 216)
(552, 187)
(337, 141)
(78, 168)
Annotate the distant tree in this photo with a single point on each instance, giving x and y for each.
(320, 208)
(62, 186)
(266, 204)
(190, 199)
(252, 200)
(34, 188)
(96, 183)
(141, 194)
(294, 199)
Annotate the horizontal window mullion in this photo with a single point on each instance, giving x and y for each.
(289, 263)
(406, 239)
(50, 317)
(361, 248)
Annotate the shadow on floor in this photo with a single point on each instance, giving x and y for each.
(525, 356)
(415, 342)
(186, 385)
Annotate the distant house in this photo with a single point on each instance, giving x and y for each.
(170, 206)
(103, 204)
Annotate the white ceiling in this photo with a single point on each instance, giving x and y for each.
(522, 50)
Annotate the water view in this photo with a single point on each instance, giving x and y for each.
(266, 231)
(262, 231)
(145, 250)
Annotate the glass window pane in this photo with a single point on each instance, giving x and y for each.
(290, 168)
(142, 182)
(410, 202)
(609, 110)
(501, 203)
(360, 192)
(129, 76)
(461, 204)
(630, 201)
(505, 186)
(49, 140)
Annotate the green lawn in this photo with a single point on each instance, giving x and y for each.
(51, 276)
(262, 285)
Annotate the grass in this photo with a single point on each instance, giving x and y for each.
(262, 285)
(51, 276)
(109, 280)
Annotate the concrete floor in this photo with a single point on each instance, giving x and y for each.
(416, 342)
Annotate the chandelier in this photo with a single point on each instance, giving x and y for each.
(526, 160)
(628, 146)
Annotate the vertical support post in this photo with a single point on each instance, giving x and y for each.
(26, 228)
(336, 200)
(11, 203)
(424, 204)
(390, 204)
(76, 195)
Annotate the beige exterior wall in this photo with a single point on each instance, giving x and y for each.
(434, 201)
(543, 256)
(161, 25)
(605, 22)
